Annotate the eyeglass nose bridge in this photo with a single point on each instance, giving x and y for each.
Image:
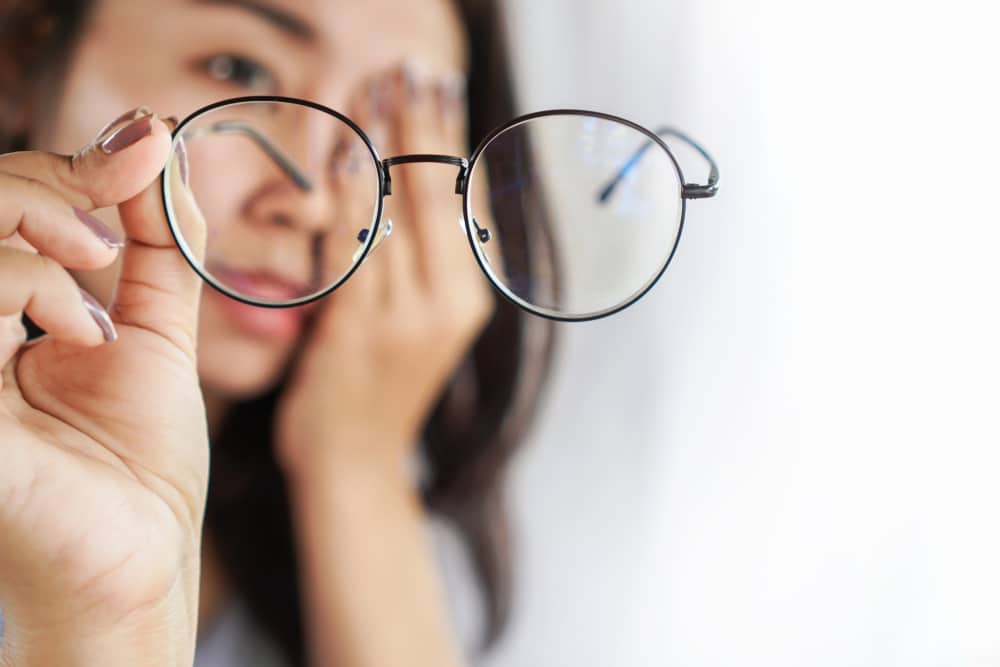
(460, 162)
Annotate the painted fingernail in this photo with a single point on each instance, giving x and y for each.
(99, 229)
(454, 87)
(450, 95)
(127, 116)
(100, 316)
(17, 329)
(182, 160)
(411, 84)
(379, 98)
(128, 135)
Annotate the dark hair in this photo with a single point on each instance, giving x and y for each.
(472, 431)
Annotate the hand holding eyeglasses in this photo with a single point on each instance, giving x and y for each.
(570, 215)
(103, 448)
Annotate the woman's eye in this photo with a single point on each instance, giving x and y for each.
(240, 71)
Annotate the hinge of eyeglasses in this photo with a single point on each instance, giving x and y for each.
(696, 191)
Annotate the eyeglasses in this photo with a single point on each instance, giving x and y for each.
(571, 214)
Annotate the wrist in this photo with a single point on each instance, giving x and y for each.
(340, 458)
(160, 632)
(162, 637)
(374, 597)
(310, 441)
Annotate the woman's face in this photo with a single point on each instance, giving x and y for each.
(177, 56)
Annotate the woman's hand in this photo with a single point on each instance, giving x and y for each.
(103, 444)
(382, 348)
(386, 341)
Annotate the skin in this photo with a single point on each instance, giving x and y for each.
(122, 427)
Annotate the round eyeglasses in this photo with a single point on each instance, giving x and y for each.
(571, 214)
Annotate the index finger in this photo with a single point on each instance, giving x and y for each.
(424, 124)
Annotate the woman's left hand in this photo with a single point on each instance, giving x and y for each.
(385, 342)
(381, 349)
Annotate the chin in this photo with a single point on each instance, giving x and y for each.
(239, 369)
(234, 363)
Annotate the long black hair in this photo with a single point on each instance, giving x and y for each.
(470, 434)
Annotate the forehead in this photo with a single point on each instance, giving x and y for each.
(373, 33)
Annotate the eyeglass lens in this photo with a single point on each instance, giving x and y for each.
(288, 194)
(563, 242)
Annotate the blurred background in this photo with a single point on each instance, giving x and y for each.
(787, 453)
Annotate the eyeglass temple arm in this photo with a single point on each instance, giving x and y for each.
(690, 190)
(237, 127)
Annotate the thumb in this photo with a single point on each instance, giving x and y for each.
(157, 290)
(114, 167)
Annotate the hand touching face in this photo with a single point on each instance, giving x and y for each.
(385, 342)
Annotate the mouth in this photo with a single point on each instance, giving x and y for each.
(260, 284)
(273, 324)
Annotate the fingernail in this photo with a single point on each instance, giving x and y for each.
(454, 87)
(182, 160)
(99, 229)
(127, 116)
(379, 96)
(411, 84)
(18, 329)
(172, 122)
(450, 97)
(100, 316)
(378, 135)
(128, 135)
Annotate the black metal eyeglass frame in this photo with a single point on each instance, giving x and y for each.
(465, 166)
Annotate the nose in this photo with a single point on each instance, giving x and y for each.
(288, 205)
(304, 188)
(315, 192)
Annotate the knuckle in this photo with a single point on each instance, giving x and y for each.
(73, 179)
(30, 190)
(413, 326)
(49, 273)
(41, 266)
(456, 321)
(469, 305)
(33, 199)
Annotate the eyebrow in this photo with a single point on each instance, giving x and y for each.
(287, 22)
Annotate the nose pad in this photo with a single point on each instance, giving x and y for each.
(384, 231)
(483, 233)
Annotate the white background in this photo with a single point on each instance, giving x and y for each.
(788, 453)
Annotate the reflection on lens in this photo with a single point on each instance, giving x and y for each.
(614, 204)
(288, 193)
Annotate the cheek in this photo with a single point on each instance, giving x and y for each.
(91, 97)
(221, 176)
(111, 72)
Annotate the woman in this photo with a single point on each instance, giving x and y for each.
(312, 521)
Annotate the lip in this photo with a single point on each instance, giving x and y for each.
(274, 324)
(260, 284)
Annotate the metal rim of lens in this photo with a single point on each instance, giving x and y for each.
(185, 249)
(549, 313)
